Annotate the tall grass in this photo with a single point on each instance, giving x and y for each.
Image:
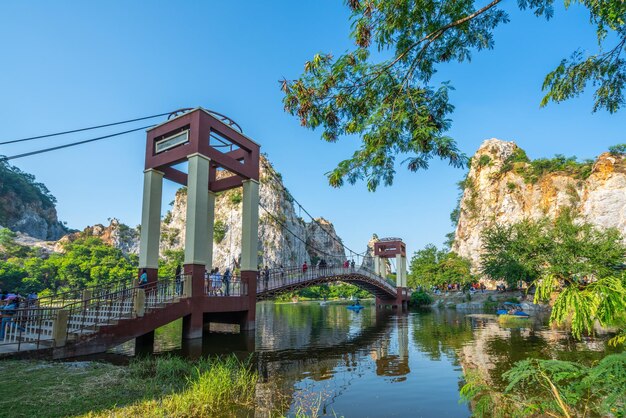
(206, 388)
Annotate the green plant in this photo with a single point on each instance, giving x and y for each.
(552, 388)
(219, 231)
(235, 197)
(420, 298)
(511, 186)
(618, 150)
(484, 160)
(490, 304)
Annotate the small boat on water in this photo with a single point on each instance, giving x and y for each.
(513, 309)
(356, 307)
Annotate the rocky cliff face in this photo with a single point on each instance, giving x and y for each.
(324, 243)
(499, 189)
(27, 206)
(115, 234)
(368, 259)
(277, 216)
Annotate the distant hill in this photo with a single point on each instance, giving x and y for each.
(27, 206)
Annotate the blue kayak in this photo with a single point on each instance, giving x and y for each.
(355, 307)
(511, 308)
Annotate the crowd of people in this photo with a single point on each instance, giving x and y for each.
(10, 302)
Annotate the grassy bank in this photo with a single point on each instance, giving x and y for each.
(153, 387)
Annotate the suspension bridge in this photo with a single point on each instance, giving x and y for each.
(95, 319)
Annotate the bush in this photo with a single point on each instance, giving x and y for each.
(420, 298)
(484, 160)
(219, 231)
(490, 304)
(235, 197)
(618, 150)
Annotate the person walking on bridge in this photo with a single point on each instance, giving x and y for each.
(352, 264)
(226, 281)
(305, 267)
(143, 279)
(266, 277)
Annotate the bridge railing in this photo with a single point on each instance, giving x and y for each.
(85, 317)
(234, 287)
(282, 277)
(27, 329)
(68, 296)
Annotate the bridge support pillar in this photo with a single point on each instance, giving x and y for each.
(250, 247)
(151, 223)
(248, 320)
(193, 325)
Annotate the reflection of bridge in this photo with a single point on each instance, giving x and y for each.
(102, 318)
(98, 319)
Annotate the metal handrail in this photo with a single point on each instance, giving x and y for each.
(28, 326)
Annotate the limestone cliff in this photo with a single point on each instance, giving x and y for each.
(284, 238)
(115, 234)
(323, 242)
(368, 259)
(504, 187)
(27, 206)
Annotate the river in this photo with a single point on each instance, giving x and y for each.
(336, 362)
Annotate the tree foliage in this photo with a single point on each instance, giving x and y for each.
(431, 266)
(382, 90)
(83, 262)
(570, 261)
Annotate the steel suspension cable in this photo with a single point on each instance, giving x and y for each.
(13, 141)
(72, 144)
(278, 182)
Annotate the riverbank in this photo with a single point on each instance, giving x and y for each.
(487, 301)
(152, 387)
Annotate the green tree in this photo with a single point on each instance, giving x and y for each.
(391, 102)
(515, 252)
(431, 266)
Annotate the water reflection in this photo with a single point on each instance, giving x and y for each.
(376, 363)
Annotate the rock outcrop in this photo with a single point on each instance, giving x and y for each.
(497, 190)
(115, 234)
(27, 206)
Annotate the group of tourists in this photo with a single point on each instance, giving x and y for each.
(322, 265)
(9, 303)
(216, 283)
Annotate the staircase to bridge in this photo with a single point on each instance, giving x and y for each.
(93, 320)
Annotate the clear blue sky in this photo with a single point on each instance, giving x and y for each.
(72, 64)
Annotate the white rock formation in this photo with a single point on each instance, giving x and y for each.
(492, 195)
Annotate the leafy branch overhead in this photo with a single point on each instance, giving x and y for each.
(392, 104)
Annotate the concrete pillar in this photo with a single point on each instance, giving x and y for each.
(399, 277)
(405, 282)
(151, 223)
(250, 248)
(192, 325)
(87, 294)
(139, 304)
(250, 226)
(376, 264)
(187, 286)
(196, 226)
(210, 228)
(59, 327)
